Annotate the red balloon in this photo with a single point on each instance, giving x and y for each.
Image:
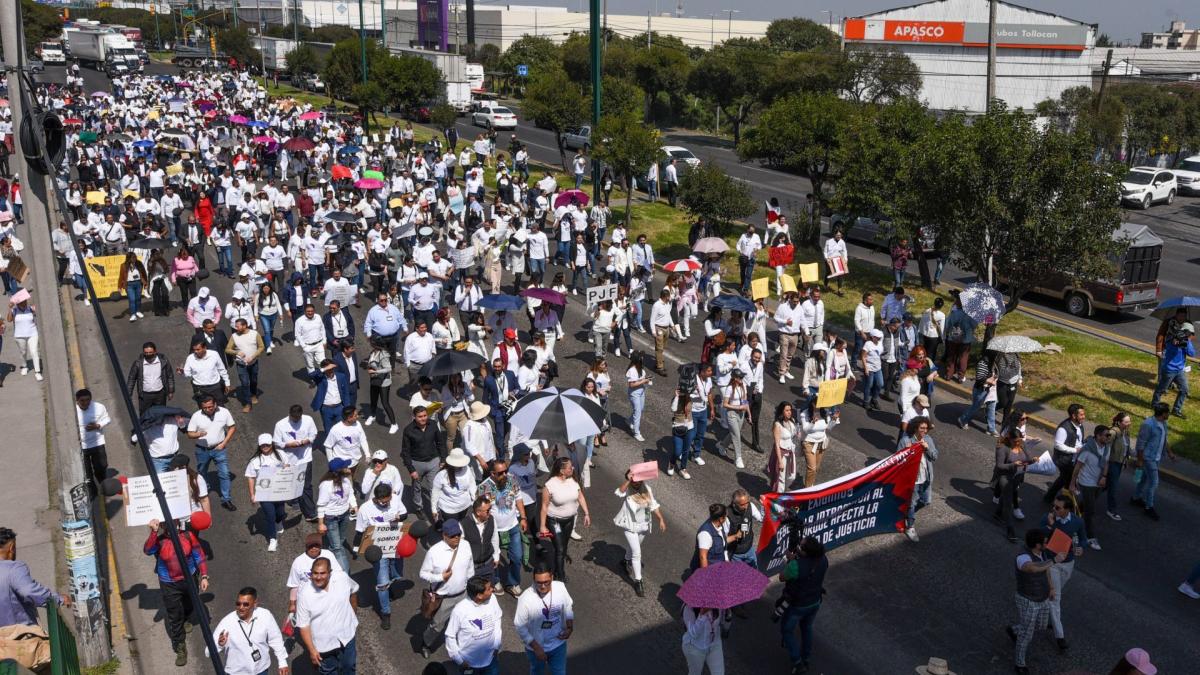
(406, 546)
(201, 520)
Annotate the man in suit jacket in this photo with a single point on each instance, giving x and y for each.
(498, 387)
(343, 358)
(339, 326)
(215, 339)
(332, 394)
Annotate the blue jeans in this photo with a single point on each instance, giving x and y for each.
(746, 272)
(205, 456)
(695, 438)
(680, 457)
(580, 275)
(537, 267)
(977, 396)
(555, 663)
(898, 276)
(802, 618)
(268, 328)
(1194, 578)
(921, 497)
(749, 557)
(516, 550)
(637, 399)
(1148, 485)
(387, 571)
(937, 271)
(225, 260)
(564, 252)
(337, 527)
(1164, 381)
(273, 514)
(133, 292)
(652, 190)
(342, 661)
(578, 181)
(1114, 481)
(872, 386)
(161, 464)
(247, 382)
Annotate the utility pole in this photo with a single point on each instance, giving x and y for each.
(383, 22)
(1104, 79)
(235, 13)
(157, 30)
(362, 39)
(712, 30)
(75, 502)
(595, 38)
(297, 14)
(729, 24)
(471, 22)
(647, 30)
(991, 58)
(262, 45)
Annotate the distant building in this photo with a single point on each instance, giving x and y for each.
(1178, 37)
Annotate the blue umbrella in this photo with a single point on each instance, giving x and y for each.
(257, 124)
(1168, 307)
(144, 144)
(349, 150)
(733, 303)
(499, 301)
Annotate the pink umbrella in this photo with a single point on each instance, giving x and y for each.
(685, 265)
(579, 197)
(3, 103)
(238, 119)
(723, 585)
(262, 140)
(310, 115)
(368, 183)
(545, 295)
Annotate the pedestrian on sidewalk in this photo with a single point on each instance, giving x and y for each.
(23, 317)
(1120, 452)
(268, 460)
(260, 633)
(1173, 369)
(326, 610)
(803, 591)
(1068, 441)
(1151, 446)
(212, 428)
(900, 253)
(918, 433)
(1064, 518)
(1090, 477)
(960, 335)
(1035, 591)
(173, 567)
(92, 418)
(20, 593)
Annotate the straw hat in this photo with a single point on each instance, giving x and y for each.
(480, 411)
(935, 666)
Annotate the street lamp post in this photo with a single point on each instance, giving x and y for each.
(829, 21)
(362, 39)
(729, 24)
(712, 27)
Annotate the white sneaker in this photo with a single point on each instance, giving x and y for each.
(995, 499)
(670, 471)
(133, 439)
(24, 370)
(394, 428)
(739, 463)
(280, 529)
(87, 303)
(699, 461)
(576, 536)
(791, 376)
(1189, 591)
(1114, 516)
(1018, 514)
(141, 316)
(1094, 544)
(132, 318)
(270, 348)
(782, 379)
(273, 545)
(685, 474)
(369, 421)
(638, 438)
(38, 377)
(617, 351)
(295, 343)
(911, 533)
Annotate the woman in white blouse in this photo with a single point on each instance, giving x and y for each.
(782, 466)
(816, 428)
(445, 330)
(634, 518)
(702, 640)
(453, 488)
(335, 506)
(265, 464)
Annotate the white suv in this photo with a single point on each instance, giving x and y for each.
(494, 117)
(1188, 175)
(1144, 185)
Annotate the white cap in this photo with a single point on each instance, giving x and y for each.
(203, 292)
(379, 454)
(876, 333)
(239, 294)
(265, 439)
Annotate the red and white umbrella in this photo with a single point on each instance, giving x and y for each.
(683, 265)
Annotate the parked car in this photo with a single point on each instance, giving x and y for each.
(877, 232)
(1145, 185)
(494, 116)
(1134, 287)
(420, 112)
(578, 138)
(1187, 175)
(685, 161)
(312, 83)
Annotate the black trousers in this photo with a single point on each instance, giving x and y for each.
(755, 413)
(1066, 466)
(177, 605)
(1008, 488)
(96, 462)
(1006, 395)
(560, 537)
(149, 399)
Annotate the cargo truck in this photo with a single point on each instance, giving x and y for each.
(103, 50)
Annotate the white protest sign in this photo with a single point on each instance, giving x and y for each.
(279, 483)
(598, 294)
(142, 506)
(386, 537)
(343, 294)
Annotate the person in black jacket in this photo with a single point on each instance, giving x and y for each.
(803, 578)
(422, 449)
(151, 378)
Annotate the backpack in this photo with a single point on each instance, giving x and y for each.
(687, 376)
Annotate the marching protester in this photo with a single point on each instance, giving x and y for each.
(173, 566)
(260, 633)
(634, 518)
(545, 620)
(447, 568)
(326, 616)
(474, 633)
(266, 463)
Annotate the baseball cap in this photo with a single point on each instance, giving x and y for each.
(451, 528)
(876, 333)
(265, 439)
(379, 454)
(339, 463)
(510, 333)
(1188, 328)
(922, 400)
(239, 294)
(203, 292)
(422, 275)
(1138, 658)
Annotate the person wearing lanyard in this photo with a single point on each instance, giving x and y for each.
(545, 620)
(310, 335)
(260, 637)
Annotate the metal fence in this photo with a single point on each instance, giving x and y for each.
(64, 660)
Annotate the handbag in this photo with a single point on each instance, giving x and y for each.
(431, 602)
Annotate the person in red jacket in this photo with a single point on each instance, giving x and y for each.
(204, 213)
(173, 568)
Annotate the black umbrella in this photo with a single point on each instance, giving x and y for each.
(154, 415)
(341, 217)
(150, 242)
(219, 123)
(450, 362)
(555, 415)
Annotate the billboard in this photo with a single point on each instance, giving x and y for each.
(433, 24)
(967, 34)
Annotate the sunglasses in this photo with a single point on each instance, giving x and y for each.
(242, 604)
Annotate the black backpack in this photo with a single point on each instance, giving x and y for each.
(687, 376)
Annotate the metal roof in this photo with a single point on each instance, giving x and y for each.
(1009, 4)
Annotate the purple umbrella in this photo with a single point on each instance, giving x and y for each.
(567, 196)
(723, 585)
(545, 295)
(368, 183)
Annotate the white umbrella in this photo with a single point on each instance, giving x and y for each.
(710, 245)
(1014, 344)
(556, 415)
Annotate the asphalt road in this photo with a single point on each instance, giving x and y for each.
(891, 603)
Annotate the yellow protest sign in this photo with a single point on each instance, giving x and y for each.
(174, 169)
(760, 288)
(95, 197)
(831, 393)
(810, 273)
(104, 272)
(787, 284)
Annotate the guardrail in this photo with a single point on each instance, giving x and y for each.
(64, 659)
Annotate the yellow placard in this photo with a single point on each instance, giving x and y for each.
(831, 393)
(174, 169)
(129, 193)
(810, 273)
(105, 272)
(760, 288)
(787, 284)
(95, 197)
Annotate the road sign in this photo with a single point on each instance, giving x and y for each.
(523, 70)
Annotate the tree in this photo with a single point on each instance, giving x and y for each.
(874, 76)
(627, 146)
(800, 72)
(39, 23)
(237, 44)
(369, 97)
(488, 55)
(554, 102)
(540, 54)
(800, 35)
(1154, 124)
(618, 96)
(1013, 204)
(1080, 108)
(301, 61)
(713, 196)
(1105, 41)
(406, 80)
(662, 71)
(801, 133)
(732, 76)
(443, 116)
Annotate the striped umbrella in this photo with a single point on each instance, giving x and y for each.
(683, 265)
(555, 415)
